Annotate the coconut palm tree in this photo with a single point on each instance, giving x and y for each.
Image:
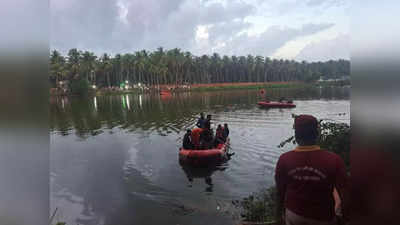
(176, 67)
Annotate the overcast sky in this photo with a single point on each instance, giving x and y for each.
(291, 29)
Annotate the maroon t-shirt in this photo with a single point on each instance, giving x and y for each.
(305, 179)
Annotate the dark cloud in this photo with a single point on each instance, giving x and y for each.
(177, 28)
(97, 25)
(337, 48)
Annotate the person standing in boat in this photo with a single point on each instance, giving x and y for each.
(225, 132)
(219, 136)
(207, 123)
(306, 178)
(187, 140)
(201, 121)
(206, 135)
(206, 139)
(195, 137)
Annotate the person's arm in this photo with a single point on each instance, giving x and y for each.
(341, 185)
(184, 142)
(280, 180)
(198, 124)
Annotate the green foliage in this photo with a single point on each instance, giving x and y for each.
(177, 67)
(335, 137)
(312, 76)
(260, 207)
(79, 87)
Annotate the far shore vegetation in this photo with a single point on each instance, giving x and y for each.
(200, 88)
(83, 72)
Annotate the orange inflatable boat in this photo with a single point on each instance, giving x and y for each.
(166, 93)
(276, 104)
(204, 157)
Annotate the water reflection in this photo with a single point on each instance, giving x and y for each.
(127, 102)
(161, 114)
(95, 102)
(204, 173)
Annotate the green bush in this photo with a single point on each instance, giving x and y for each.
(260, 206)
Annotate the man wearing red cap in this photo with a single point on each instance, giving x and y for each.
(307, 176)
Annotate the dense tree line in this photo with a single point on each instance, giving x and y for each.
(177, 67)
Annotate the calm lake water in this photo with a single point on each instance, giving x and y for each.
(114, 159)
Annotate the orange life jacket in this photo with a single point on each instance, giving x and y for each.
(196, 136)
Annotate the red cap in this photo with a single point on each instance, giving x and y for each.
(305, 122)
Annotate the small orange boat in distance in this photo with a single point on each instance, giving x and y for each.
(269, 104)
(165, 93)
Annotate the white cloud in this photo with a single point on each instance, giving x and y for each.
(122, 11)
(270, 40)
(337, 48)
(201, 32)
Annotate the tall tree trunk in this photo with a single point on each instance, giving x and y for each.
(56, 80)
(108, 79)
(176, 77)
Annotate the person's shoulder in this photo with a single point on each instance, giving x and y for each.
(329, 153)
(284, 158)
(286, 155)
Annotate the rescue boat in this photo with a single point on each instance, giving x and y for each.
(276, 104)
(206, 156)
(166, 93)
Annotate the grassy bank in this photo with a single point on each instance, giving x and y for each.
(249, 86)
(335, 83)
(195, 88)
(117, 92)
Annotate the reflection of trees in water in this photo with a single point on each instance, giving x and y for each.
(148, 113)
(328, 92)
(205, 173)
(154, 113)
